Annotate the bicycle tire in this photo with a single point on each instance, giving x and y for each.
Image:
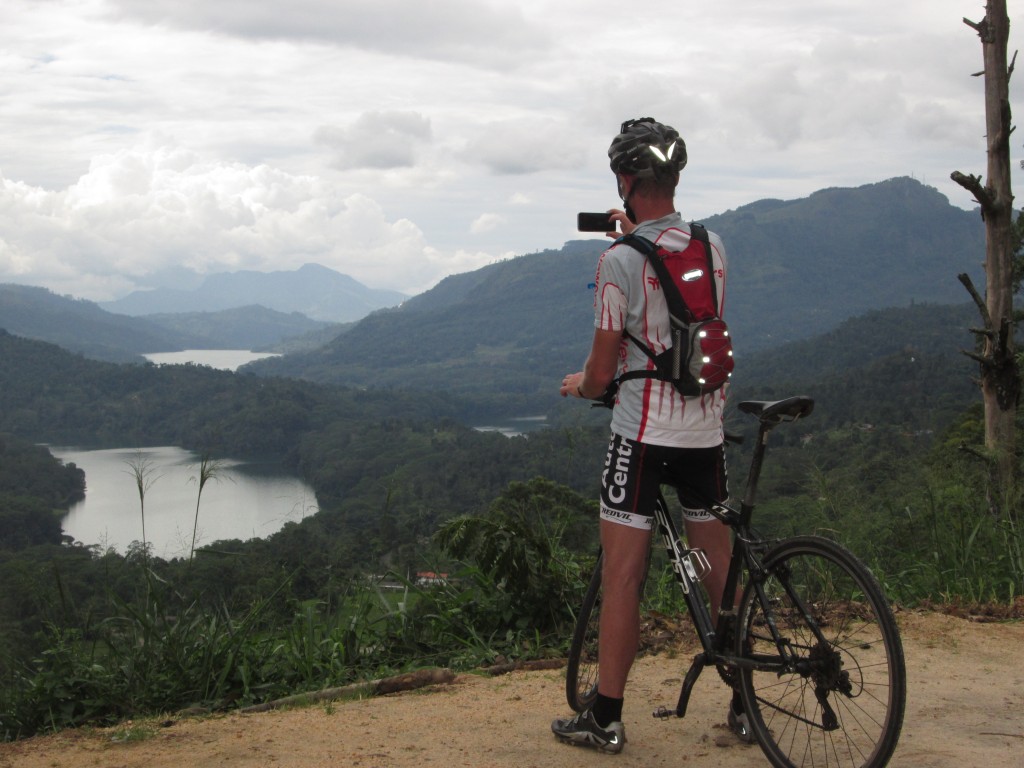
(581, 669)
(841, 703)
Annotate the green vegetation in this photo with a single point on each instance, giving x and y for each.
(92, 636)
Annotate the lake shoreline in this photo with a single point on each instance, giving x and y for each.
(243, 499)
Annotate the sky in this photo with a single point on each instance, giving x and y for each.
(400, 142)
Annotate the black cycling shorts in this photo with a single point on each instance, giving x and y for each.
(634, 472)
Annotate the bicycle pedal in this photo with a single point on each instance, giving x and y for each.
(663, 713)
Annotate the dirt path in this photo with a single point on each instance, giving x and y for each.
(965, 704)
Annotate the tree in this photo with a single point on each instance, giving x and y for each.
(1000, 375)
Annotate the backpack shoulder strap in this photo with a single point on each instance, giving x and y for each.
(700, 232)
(676, 306)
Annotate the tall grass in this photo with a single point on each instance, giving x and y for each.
(141, 468)
(209, 469)
(165, 652)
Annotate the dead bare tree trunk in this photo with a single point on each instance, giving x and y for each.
(1000, 377)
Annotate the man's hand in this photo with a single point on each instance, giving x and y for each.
(625, 224)
(571, 385)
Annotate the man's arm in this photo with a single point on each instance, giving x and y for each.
(599, 370)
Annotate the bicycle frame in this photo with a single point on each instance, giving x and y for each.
(804, 636)
(687, 564)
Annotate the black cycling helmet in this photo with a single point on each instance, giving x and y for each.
(647, 149)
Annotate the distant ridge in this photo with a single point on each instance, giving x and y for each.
(81, 326)
(313, 290)
(798, 269)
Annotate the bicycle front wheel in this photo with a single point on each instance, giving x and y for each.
(581, 670)
(838, 699)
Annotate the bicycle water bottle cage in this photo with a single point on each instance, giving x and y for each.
(696, 564)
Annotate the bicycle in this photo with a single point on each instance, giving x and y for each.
(812, 646)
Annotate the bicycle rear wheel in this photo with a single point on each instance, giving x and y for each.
(581, 671)
(840, 703)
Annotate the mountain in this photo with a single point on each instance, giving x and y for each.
(313, 290)
(252, 327)
(82, 326)
(901, 365)
(898, 367)
(797, 269)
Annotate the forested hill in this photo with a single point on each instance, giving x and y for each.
(797, 269)
(900, 367)
(800, 267)
(81, 326)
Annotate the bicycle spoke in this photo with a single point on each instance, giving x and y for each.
(581, 671)
(839, 700)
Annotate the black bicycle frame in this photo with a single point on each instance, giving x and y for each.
(716, 633)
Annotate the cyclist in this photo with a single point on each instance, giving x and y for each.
(658, 435)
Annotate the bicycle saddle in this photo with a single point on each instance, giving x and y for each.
(774, 412)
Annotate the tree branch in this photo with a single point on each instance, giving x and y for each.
(964, 278)
(973, 185)
(981, 359)
(983, 28)
(975, 452)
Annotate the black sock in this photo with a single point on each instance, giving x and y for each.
(606, 710)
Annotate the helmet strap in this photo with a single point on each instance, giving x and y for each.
(625, 198)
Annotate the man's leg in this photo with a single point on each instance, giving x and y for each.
(713, 536)
(625, 541)
(625, 560)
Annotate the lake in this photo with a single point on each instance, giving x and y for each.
(516, 427)
(244, 501)
(226, 359)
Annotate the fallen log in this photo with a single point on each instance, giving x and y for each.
(405, 682)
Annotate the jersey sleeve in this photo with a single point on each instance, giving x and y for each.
(721, 264)
(610, 300)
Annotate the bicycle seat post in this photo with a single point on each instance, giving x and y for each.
(769, 416)
(754, 473)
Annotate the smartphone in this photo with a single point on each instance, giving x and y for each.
(594, 222)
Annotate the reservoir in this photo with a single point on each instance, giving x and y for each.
(242, 501)
(226, 359)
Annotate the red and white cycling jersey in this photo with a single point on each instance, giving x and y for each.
(628, 298)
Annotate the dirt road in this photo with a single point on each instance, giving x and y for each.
(965, 704)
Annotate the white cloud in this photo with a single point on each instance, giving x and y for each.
(486, 222)
(491, 34)
(149, 209)
(525, 145)
(377, 140)
(398, 141)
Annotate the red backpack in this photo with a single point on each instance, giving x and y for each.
(700, 359)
